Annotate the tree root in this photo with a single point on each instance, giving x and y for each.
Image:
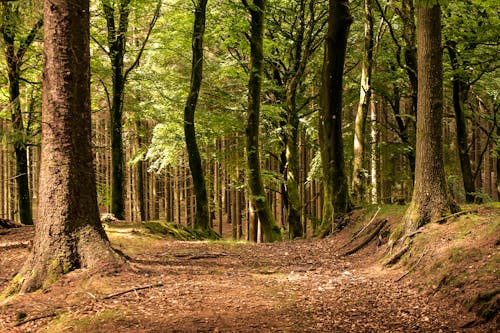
(395, 258)
(362, 229)
(447, 217)
(367, 240)
(22, 322)
(13, 245)
(413, 266)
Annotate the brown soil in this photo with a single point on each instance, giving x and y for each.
(300, 286)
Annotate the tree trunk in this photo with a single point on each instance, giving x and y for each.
(68, 233)
(430, 199)
(255, 182)
(14, 59)
(461, 127)
(201, 219)
(359, 172)
(374, 153)
(336, 192)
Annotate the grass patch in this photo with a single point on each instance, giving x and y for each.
(68, 321)
(180, 232)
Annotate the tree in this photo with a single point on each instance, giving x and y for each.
(15, 59)
(359, 171)
(68, 233)
(336, 192)
(117, 43)
(430, 200)
(255, 183)
(201, 219)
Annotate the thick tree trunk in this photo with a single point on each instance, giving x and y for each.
(202, 217)
(336, 192)
(359, 172)
(68, 233)
(462, 134)
(430, 199)
(255, 182)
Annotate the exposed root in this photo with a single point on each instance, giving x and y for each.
(395, 258)
(149, 286)
(368, 239)
(413, 266)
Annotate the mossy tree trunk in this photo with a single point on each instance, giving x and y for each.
(360, 172)
(336, 192)
(202, 218)
(255, 183)
(68, 234)
(14, 59)
(430, 199)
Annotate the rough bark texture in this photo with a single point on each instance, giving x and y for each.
(14, 59)
(68, 233)
(336, 192)
(359, 172)
(430, 199)
(462, 143)
(201, 219)
(255, 182)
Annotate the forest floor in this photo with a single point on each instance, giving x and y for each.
(292, 286)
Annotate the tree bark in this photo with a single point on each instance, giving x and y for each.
(430, 199)
(461, 126)
(336, 192)
(68, 233)
(255, 183)
(202, 217)
(14, 59)
(359, 172)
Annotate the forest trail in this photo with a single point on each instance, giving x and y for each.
(300, 286)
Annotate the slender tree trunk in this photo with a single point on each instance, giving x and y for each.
(336, 192)
(68, 234)
(202, 216)
(359, 172)
(430, 199)
(255, 182)
(14, 59)
(461, 127)
(374, 153)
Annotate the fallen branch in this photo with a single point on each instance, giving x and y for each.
(413, 266)
(12, 245)
(362, 229)
(445, 218)
(149, 286)
(50, 315)
(367, 239)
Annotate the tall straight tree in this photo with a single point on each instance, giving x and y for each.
(257, 10)
(68, 233)
(117, 42)
(201, 219)
(359, 172)
(430, 199)
(14, 59)
(336, 192)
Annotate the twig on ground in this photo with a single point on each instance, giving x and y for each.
(413, 266)
(35, 319)
(149, 286)
(12, 245)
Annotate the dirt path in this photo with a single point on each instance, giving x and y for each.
(227, 287)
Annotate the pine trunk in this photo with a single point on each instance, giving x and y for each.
(430, 199)
(68, 234)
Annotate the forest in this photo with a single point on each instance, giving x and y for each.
(249, 166)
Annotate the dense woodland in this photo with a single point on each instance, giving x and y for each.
(154, 63)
